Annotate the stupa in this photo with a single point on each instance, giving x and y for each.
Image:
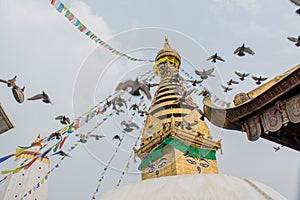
(177, 150)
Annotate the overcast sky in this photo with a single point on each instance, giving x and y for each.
(48, 53)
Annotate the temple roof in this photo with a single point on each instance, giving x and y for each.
(257, 99)
(270, 111)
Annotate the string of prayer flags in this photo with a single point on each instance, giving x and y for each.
(61, 8)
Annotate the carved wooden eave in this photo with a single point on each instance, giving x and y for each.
(231, 117)
(5, 123)
(255, 115)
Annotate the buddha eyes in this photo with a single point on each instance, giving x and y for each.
(151, 170)
(162, 163)
(191, 161)
(204, 165)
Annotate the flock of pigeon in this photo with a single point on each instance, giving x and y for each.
(240, 51)
(19, 92)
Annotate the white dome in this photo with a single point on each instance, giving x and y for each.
(190, 186)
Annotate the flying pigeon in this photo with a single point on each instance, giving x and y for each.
(10, 82)
(195, 82)
(18, 93)
(205, 93)
(201, 113)
(143, 113)
(135, 86)
(117, 137)
(214, 58)
(61, 153)
(150, 85)
(242, 75)
(204, 74)
(296, 40)
(134, 107)
(45, 98)
(56, 135)
(240, 51)
(183, 95)
(231, 81)
(97, 137)
(226, 89)
(118, 101)
(259, 79)
(187, 125)
(63, 119)
(128, 126)
(108, 103)
(84, 137)
(118, 111)
(296, 2)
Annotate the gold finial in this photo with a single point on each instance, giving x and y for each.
(166, 45)
(167, 51)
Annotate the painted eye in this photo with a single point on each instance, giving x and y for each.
(204, 165)
(161, 165)
(151, 170)
(191, 161)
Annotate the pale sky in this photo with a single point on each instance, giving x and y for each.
(47, 52)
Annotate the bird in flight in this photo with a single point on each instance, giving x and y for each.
(63, 119)
(183, 95)
(187, 125)
(10, 82)
(18, 93)
(117, 137)
(143, 113)
(226, 89)
(134, 107)
(45, 98)
(128, 126)
(214, 58)
(61, 153)
(55, 134)
(296, 2)
(294, 39)
(118, 111)
(195, 82)
(150, 85)
(135, 86)
(240, 51)
(205, 73)
(205, 93)
(84, 137)
(118, 101)
(259, 79)
(231, 81)
(242, 75)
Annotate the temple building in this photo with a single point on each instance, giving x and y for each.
(271, 111)
(177, 150)
(21, 182)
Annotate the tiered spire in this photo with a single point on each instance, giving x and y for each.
(175, 140)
